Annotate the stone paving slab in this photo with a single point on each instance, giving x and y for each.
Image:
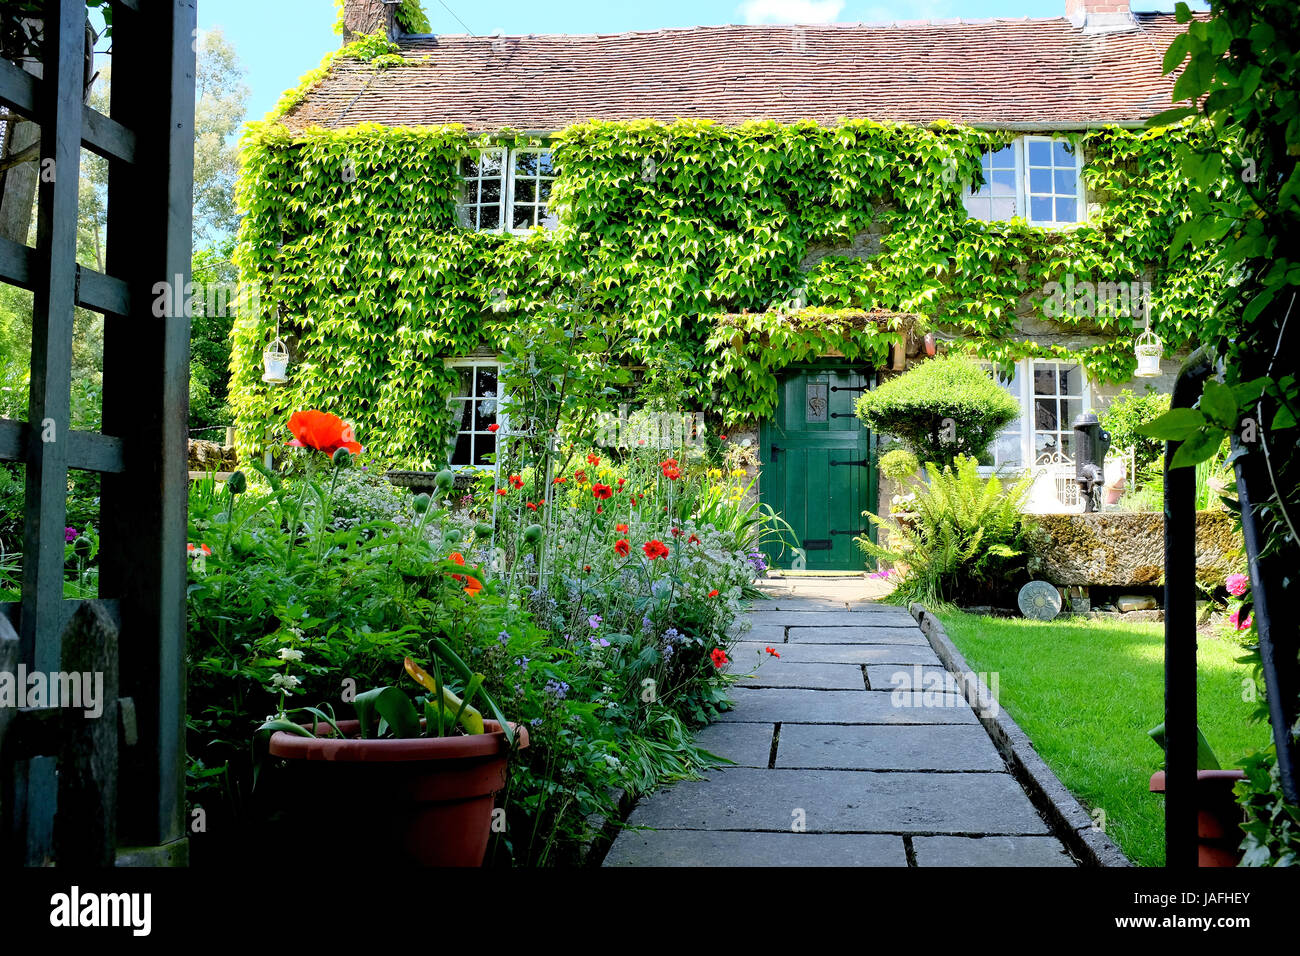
(780, 673)
(843, 801)
(990, 851)
(904, 677)
(768, 634)
(785, 705)
(854, 635)
(747, 745)
(874, 615)
(738, 848)
(746, 652)
(822, 746)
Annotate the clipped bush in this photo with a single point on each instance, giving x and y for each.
(1126, 413)
(941, 409)
(899, 464)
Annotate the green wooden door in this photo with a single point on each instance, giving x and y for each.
(819, 469)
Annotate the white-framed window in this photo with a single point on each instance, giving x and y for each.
(476, 403)
(507, 190)
(1051, 395)
(1039, 178)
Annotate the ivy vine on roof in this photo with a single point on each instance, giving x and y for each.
(351, 237)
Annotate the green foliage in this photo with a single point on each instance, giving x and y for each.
(899, 464)
(1127, 412)
(351, 237)
(942, 409)
(963, 541)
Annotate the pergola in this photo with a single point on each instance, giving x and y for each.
(76, 789)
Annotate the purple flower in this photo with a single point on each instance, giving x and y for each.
(522, 663)
(535, 721)
(668, 652)
(594, 621)
(598, 642)
(504, 638)
(757, 562)
(672, 634)
(557, 688)
(69, 535)
(882, 573)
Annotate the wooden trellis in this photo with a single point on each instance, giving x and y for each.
(120, 779)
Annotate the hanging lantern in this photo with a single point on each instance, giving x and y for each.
(1149, 348)
(276, 362)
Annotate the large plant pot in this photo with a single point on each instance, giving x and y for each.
(426, 801)
(1218, 815)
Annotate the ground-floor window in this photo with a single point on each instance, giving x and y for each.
(476, 402)
(1051, 395)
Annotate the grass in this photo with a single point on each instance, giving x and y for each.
(1086, 692)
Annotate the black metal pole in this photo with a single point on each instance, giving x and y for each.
(1180, 634)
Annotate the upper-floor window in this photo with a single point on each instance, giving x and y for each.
(507, 189)
(1036, 177)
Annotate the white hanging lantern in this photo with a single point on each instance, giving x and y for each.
(1149, 348)
(276, 362)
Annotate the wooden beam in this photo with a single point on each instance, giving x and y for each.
(87, 451)
(92, 290)
(101, 134)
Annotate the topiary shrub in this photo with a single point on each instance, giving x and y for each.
(942, 409)
(899, 465)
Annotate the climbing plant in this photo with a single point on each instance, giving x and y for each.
(352, 240)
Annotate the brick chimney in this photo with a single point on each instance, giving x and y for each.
(1100, 16)
(366, 16)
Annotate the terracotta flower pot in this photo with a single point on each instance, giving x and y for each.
(1218, 816)
(426, 801)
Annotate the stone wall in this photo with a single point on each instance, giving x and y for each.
(1126, 549)
(209, 456)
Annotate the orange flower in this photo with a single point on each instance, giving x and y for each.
(621, 528)
(472, 586)
(713, 593)
(593, 460)
(321, 431)
(516, 481)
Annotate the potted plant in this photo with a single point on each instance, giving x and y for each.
(410, 781)
(1218, 816)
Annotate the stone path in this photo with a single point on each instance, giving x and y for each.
(829, 770)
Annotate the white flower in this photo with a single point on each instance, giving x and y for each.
(289, 654)
(284, 681)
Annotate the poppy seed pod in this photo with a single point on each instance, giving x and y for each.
(342, 458)
(483, 529)
(444, 479)
(533, 533)
(420, 503)
(82, 547)
(237, 484)
(452, 536)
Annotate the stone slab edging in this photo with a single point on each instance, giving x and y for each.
(1073, 824)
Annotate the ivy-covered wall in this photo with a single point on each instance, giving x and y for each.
(351, 238)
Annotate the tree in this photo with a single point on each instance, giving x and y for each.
(222, 102)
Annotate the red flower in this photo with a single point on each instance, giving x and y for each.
(621, 547)
(456, 558)
(502, 491)
(713, 593)
(602, 492)
(192, 549)
(580, 475)
(621, 528)
(322, 431)
(586, 567)
(655, 549)
(719, 657)
(640, 441)
(677, 532)
(593, 460)
(693, 540)
(559, 481)
(532, 505)
(516, 481)
(472, 586)
(621, 482)
(772, 652)
(672, 473)
(493, 427)
(722, 438)
(600, 509)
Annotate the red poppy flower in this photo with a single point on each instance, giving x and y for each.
(472, 586)
(192, 549)
(672, 473)
(693, 540)
(602, 492)
(713, 593)
(502, 491)
(493, 427)
(621, 547)
(621, 481)
(559, 481)
(677, 532)
(640, 441)
(600, 509)
(771, 651)
(722, 438)
(593, 460)
(516, 481)
(532, 505)
(719, 657)
(621, 528)
(321, 431)
(456, 558)
(586, 567)
(655, 549)
(580, 475)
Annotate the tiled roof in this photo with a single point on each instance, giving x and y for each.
(1032, 71)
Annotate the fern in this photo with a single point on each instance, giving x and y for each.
(965, 536)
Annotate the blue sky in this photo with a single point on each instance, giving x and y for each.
(280, 40)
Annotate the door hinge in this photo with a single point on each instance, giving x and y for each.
(861, 462)
(863, 531)
(819, 544)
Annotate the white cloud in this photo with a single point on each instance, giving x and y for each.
(791, 11)
(909, 10)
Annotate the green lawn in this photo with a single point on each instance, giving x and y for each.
(1087, 692)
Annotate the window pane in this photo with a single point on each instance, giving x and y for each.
(1004, 208)
(1067, 444)
(489, 217)
(977, 207)
(1071, 408)
(1071, 379)
(485, 383)
(1045, 413)
(461, 454)
(489, 163)
(1007, 449)
(1005, 157)
(1044, 380)
(525, 163)
(543, 190)
(469, 167)
(522, 217)
(467, 216)
(1063, 153)
(1040, 180)
(1003, 182)
(1040, 152)
(491, 194)
(544, 164)
(1040, 208)
(525, 190)
(1067, 210)
(484, 445)
(485, 414)
(469, 192)
(464, 381)
(1066, 182)
(466, 419)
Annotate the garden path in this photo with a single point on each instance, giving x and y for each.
(830, 769)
